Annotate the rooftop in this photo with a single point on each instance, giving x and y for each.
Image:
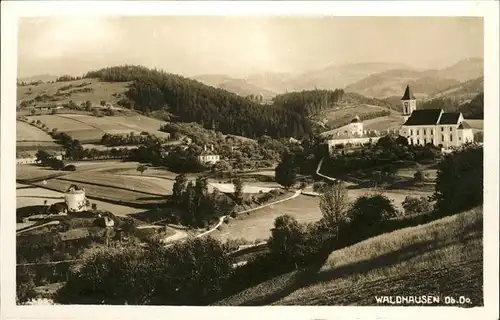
(449, 118)
(424, 117)
(408, 95)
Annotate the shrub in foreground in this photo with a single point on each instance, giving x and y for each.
(191, 272)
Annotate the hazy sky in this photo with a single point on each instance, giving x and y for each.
(237, 46)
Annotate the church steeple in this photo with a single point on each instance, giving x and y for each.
(409, 102)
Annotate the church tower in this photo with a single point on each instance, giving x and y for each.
(409, 103)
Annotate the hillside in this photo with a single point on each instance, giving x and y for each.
(239, 86)
(444, 257)
(464, 91)
(330, 77)
(393, 83)
(425, 83)
(78, 91)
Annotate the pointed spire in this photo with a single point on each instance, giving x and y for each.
(408, 95)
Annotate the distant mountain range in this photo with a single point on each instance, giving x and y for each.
(374, 80)
(425, 84)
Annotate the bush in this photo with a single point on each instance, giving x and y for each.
(188, 273)
(69, 167)
(414, 205)
(368, 212)
(459, 183)
(292, 243)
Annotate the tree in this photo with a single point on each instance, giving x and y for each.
(459, 183)
(334, 205)
(414, 205)
(43, 157)
(178, 188)
(238, 190)
(286, 172)
(419, 176)
(142, 168)
(288, 239)
(103, 103)
(88, 105)
(368, 212)
(25, 286)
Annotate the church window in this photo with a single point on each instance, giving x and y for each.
(442, 128)
(432, 132)
(425, 132)
(425, 141)
(442, 137)
(451, 137)
(451, 128)
(418, 141)
(417, 133)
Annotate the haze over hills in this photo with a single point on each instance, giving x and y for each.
(424, 83)
(239, 86)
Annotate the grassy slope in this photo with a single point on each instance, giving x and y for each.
(443, 257)
(89, 128)
(106, 91)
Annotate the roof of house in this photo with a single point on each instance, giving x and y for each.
(423, 117)
(355, 119)
(464, 125)
(408, 95)
(449, 118)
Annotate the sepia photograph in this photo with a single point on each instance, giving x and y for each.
(250, 160)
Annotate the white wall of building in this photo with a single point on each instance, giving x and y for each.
(209, 159)
(354, 141)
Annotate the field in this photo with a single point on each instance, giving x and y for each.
(90, 129)
(258, 224)
(147, 185)
(29, 133)
(440, 258)
(341, 116)
(78, 91)
(476, 124)
(383, 123)
(32, 196)
(104, 193)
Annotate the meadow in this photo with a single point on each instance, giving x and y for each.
(34, 196)
(28, 133)
(258, 224)
(104, 193)
(340, 116)
(440, 258)
(94, 91)
(90, 129)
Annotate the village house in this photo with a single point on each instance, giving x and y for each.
(208, 156)
(433, 126)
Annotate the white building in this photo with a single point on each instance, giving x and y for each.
(208, 156)
(356, 127)
(33, 160)
(421, 127)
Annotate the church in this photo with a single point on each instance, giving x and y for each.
(443, 129)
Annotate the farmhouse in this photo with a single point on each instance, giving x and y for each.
(208, 156)
(33, 160)
(434, 126)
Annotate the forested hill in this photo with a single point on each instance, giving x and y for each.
(191, 101)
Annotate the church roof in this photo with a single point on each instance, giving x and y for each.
(464, 125)
(423, 117)
(449, 118)
(408, 95)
